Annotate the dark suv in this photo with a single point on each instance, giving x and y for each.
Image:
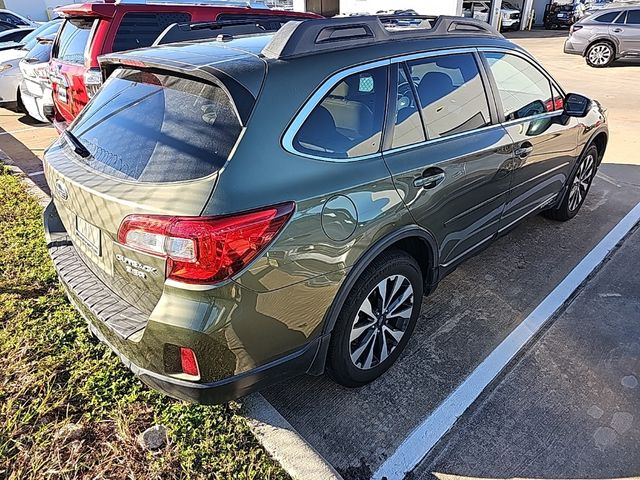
(229, 213)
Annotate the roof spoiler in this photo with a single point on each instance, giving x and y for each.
(298, 39)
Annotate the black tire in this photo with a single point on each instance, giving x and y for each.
(582, 177)
(396, 269)
(600, 54)
(19, 103)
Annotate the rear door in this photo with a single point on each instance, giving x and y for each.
(149, 143)
(545, 139)
(68, 65)
(448, 159)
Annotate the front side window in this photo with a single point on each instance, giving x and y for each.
(347, 123)
(524, 90)
(451, 94)
(73, 40)
(138, 29)
(633, 18)
(153, 127)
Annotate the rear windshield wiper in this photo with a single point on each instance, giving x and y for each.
(78, 147)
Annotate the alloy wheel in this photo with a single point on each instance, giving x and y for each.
(581, 182)
(600, 54)
(381, 322)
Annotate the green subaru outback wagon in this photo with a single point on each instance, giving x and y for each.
(231, 212)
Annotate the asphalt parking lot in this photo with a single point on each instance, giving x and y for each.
(567, 406)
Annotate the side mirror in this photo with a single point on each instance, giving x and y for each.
(576, 105)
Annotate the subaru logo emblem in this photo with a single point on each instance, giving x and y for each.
(61, 190)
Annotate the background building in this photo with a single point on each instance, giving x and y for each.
(39, 10)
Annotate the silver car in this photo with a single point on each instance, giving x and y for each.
(606, 36)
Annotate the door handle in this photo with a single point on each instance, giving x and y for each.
(523, 152)
(618, 30)
(429, 181)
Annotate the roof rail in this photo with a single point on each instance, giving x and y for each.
(298, 39)
(249, 25)
(219, 3)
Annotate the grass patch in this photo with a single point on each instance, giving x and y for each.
(68, 408)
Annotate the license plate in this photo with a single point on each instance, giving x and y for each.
(62, 94)
(89, 234)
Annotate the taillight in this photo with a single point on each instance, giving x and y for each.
(205, 250)
(188, 362)
(92, 81)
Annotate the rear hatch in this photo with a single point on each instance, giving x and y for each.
(150, 142)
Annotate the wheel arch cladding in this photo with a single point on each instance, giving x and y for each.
(414, 240)
(600, 142)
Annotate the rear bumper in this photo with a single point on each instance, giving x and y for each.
(116, 322)
(34, 103)
(573, 48)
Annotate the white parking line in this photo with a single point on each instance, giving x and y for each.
(36, 174)
(19, 130)
(420, 442)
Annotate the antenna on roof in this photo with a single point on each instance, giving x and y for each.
(297, 39)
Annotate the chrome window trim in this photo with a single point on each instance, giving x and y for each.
(314, 101)
(325, 88)
(440, 139)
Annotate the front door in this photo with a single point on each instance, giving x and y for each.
(447, 159)
(628, 34)
(544, 137)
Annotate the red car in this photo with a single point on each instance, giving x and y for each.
(93, 29)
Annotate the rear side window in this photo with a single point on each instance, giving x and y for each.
(633, 18)
(182, 129)
(607, 17)
(348, 121)
(73, 40)
(451, 94)
(622, 18)
(408, 128)
(524, 90)
(138, 29)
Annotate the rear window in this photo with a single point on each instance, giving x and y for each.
(138, 29)
(40, 53)
(182, 129)
(73, 40)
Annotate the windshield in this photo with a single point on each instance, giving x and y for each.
(43, 30)
(508, 5)
(182, 129)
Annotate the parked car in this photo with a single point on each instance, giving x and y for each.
(14, 35)
(10, 75)
(29, 37)
(481, 10)
(35, 88)
(562, 16)
(93, 29)
(17, 20)
(284, 212)
(606, 36)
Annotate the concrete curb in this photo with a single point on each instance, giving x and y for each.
(284, 443)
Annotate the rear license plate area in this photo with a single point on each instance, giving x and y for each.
(89, 234)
